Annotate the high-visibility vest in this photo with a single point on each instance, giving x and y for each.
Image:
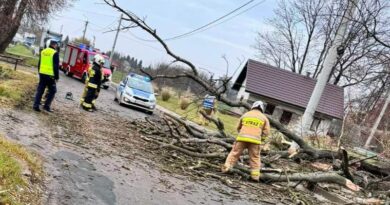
(46, 65)
(252, 125)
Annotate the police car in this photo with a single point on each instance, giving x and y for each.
(136, 90)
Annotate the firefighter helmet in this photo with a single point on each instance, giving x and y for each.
(99, 59)
(258, 105)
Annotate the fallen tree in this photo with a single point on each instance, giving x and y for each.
(176, 134)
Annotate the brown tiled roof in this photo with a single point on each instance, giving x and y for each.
(289, 87)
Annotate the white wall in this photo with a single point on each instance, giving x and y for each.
(242, 93)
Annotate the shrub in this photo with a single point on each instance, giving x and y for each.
(165, 94)
(184, 103)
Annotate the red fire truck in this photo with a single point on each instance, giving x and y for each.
(77, 60)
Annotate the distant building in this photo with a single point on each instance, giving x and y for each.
(18, 38)
(287, 95)
(29, 39)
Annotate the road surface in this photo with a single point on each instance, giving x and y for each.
(96, 158)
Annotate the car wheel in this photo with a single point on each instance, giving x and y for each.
(105, 87)
(150, 112)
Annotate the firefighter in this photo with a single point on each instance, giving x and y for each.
(253, 128)
(48, 75)
(93, 83)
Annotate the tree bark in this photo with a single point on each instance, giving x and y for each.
(11, 17)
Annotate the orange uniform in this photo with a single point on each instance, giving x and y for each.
(253, 128)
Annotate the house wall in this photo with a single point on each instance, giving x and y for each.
(242, 93)
(296, 118)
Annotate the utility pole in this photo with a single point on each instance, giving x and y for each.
(330, 61)
(116, 38)
(62, 26)
(85, 29)
(93, 42)
(377, 121)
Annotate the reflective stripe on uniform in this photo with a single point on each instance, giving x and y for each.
(242, 138)
(252, 122)
(91, 85)
(93, 102)
(255, 173)
(46, 62)
(87, 105)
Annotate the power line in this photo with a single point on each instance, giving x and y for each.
(212, 23)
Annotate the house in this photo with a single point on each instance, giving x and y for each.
(29, 39)
(287, 94)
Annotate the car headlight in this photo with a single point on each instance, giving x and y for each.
(128, 93)
(152, 100)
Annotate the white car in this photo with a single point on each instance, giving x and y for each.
(137, 91)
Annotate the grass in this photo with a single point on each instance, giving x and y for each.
(118, 76)
(15, 187)
(16, 87)
(191, 113)
(25, 53)
(20, 50)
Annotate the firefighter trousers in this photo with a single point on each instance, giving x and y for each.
(254, 158)
(89, 98)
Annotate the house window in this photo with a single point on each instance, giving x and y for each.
(315, 124)
(286, 117)
(269, 109)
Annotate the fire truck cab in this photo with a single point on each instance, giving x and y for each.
(78, 59)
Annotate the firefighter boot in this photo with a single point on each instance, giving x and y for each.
(225, 168)
(255, 175)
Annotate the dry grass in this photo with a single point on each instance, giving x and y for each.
(166, 94)
(16, 87)
(184, 103)
(16, 186)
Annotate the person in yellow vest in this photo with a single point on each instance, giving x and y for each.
(253, 129)
(92, 84)
(48, 75)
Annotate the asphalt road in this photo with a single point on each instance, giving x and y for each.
(104, 103)
(105, 166)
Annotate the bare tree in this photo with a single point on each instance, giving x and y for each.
(12, 12)
(302, 33)
(217, 89)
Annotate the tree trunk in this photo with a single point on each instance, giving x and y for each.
(11, 17)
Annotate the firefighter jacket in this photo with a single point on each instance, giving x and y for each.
(48, 62)
(94, 77)
(253, 127)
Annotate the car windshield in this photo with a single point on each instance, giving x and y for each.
(140, 85)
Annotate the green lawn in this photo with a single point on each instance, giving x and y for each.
(20, 50)
(118, 76)
(191, 113)
(23, 52)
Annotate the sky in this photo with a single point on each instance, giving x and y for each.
(233, 38)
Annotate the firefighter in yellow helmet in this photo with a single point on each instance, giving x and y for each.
(92, 84)
(253, 128)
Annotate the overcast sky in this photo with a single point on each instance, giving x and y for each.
(233, 38)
